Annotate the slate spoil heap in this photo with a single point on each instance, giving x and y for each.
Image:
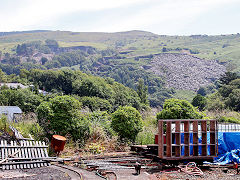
(186, 72)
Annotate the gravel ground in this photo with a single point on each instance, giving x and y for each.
(43, 173)
(211, 174)
(48, 173)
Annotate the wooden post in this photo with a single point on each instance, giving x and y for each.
(160, 138)
(178, 139)
(212, 138)
(204, 137)
(169, 139)
(195, 138)
(186, 138)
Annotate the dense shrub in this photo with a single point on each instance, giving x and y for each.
(103, 120)
(62, 115)
(215, 102)
(199, 101)
(95, 103)
(27, 100)
(80, 84)
(32, 128)
(127, 122)
(178, 109)
(229, 119)
(226, 78)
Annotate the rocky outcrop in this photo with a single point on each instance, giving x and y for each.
(182, 71)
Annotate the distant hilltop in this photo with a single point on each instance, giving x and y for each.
(21, 32)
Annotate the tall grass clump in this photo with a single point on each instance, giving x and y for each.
(225, 115)
(147, 135)
(4, 125)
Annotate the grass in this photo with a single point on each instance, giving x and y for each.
(7, 47)
(224, 116)
(4, 125)
(71, 44)
(185, 94)
(147, 135)
(30, 128)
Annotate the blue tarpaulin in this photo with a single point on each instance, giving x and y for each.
(228, 148)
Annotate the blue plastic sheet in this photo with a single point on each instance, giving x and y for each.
(228, 147)
(229, 157)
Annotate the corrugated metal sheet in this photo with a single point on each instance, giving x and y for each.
(9, 111)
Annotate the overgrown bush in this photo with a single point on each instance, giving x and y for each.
(229, 120)
(147, 135)
(199, 101)
(4, 125)
(178, 109)
(95, 103)
(215, 102)
(127, 122)
(102, 119)
(32, 128)
(62, 115)
(27, 100)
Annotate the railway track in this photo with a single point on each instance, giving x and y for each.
(74, 173)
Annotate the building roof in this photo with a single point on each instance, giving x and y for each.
(13, 85)
(10, 109)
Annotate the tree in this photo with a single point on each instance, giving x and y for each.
(202, 91)
(95, 103)
(24, 73)
(178, 109)
(6, 56)
(44, 60)
(24, 98)
(226, 89)
(14, 61)
(233, 100)
(21, 49)
(3, 76)
(93, 86)
(142, 91)
(52, 44)
(215, 102)
(164, 49)
(226, 78)
(199, 101)
(127, 122)
(62, 115)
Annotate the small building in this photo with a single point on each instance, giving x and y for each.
(13, 113)
(13, 85)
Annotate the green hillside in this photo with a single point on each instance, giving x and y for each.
(224, 48)
(123, 56)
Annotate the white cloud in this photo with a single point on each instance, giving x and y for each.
(28, 12)
(171, 15)
(160, 16)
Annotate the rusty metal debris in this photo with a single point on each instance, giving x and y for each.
(105, 174)
(235, 166)
(112, 163)
(191, 169)
(138, 168)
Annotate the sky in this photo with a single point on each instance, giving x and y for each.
(164, 17)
